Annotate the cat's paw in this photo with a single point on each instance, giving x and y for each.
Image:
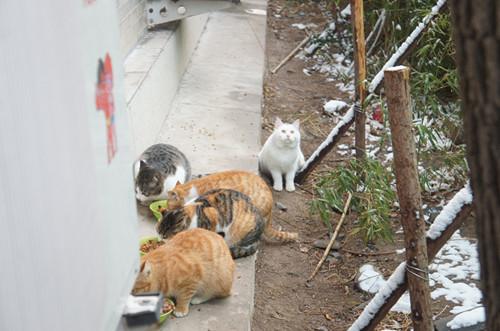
(290, 188)
(178, 313)
(278, 188)
(198, 300)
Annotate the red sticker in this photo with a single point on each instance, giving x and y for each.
(104, 102)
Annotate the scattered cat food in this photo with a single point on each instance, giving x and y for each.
(150, 245)
(168, 306)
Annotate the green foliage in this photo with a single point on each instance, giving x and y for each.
(372, 197)
(434, 87)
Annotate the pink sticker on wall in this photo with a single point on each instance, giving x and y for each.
(104, 102)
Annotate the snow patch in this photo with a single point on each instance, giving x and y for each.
(370, 280)
(334, 106)
(453, 270)
(301, 26)
(468, 318)
(346, 11)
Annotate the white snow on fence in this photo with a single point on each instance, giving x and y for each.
(349, 115)
(397, 278)
(404, 46)
(449, 212)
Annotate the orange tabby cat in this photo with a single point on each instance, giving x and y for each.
(227, 212)
(193, 266)
(242, 181)
(245, 182)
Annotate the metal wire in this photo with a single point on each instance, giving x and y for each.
(409, 270)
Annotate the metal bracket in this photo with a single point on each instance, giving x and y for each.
(164, 11)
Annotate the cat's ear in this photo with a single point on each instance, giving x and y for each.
(142, 164)
(278, 122)
(296, 124)
(177, 184)
(192, 195)
(137, 168)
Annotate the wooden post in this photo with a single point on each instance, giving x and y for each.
(358, 32)
(412, 218)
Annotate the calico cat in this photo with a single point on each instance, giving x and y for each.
(245, 182)
(230, 214)
(193, 267)
(281, 155)
(157, 171)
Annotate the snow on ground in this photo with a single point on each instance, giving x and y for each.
(346, 11)
(302, 26)
(369, 279)
(334, 106)
(453, 272)
(468, 318)
(452, 275)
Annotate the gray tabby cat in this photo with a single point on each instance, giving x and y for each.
(158, 170)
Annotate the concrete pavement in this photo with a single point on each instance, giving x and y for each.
(215, 120)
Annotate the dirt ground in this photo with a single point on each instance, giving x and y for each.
(283, 298)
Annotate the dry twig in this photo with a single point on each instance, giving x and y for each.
(367, 253)
(332, 240)
(291, 54)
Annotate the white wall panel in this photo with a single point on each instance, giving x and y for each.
(67, 216)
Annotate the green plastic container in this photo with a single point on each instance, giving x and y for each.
(145, 240)
(156, 207)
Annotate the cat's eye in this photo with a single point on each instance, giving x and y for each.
(284, 131)
(292, 132)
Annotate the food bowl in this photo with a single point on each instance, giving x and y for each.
(167, 310)
(156, 208)
(147, 244)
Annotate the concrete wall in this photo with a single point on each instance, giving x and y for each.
(153, 71)
(132, 23)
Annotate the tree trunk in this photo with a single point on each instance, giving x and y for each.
(397, 89)
(477, 35)
(358, 32)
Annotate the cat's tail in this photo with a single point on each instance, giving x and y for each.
(249, 244)
(273, 235)
(242, 251)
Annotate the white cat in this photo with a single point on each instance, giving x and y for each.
(281, 155)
